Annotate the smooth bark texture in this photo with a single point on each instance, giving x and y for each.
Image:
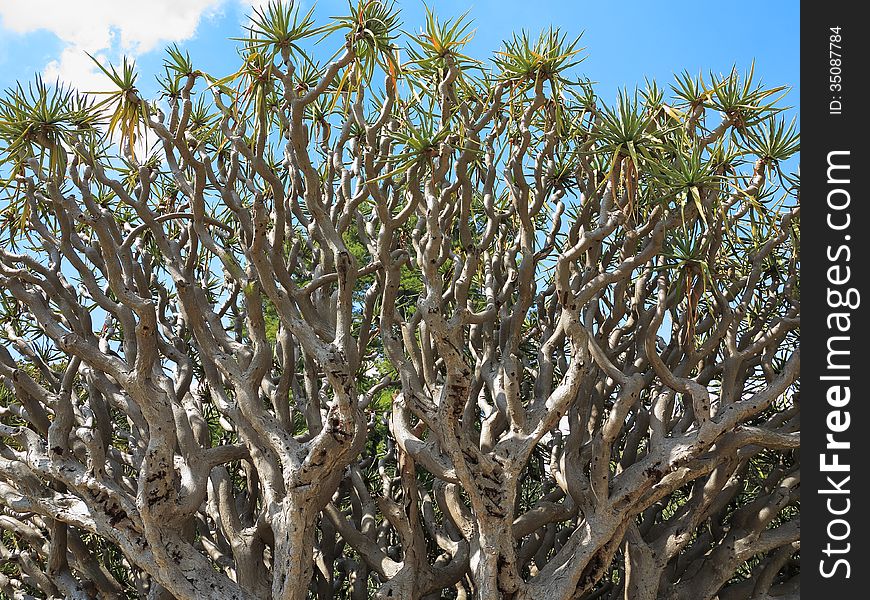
(442, 336)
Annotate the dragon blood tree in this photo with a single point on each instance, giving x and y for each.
(398, 324)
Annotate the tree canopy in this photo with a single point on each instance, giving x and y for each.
(400, 323)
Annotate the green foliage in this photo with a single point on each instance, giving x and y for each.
(774, 141)
(744, 101)
(277, 28)
(438, 45)
(524, 62)
(443, 138)
(369, 30)
(128, 110)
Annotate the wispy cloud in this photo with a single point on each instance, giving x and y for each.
(104, 28)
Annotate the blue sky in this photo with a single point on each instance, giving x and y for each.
(625, 42)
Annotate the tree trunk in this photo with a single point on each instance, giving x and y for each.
(294, 525)
(642, 574)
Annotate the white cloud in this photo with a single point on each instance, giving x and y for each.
(257, 3)
(91, 24)
(104, 27)
(74, 66)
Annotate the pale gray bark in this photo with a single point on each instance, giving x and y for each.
(223, 429)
